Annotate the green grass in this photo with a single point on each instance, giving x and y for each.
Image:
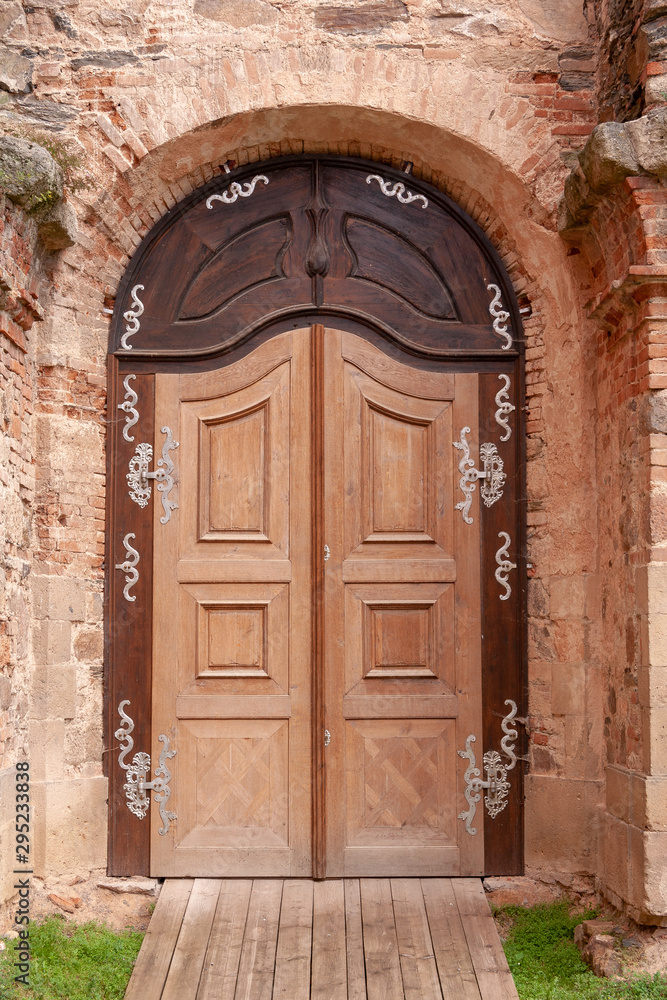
(546, 964)
(89, 962)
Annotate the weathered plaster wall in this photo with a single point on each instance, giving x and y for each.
(491, 101)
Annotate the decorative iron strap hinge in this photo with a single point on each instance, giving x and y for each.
(138, 475)
(136, 786)
(496, 784)
(492, 473)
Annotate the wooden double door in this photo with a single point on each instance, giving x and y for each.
(316, 615)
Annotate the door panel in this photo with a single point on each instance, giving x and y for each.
(233, 616)
(241, 593)
(401, 616)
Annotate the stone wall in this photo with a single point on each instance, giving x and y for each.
(492, 103)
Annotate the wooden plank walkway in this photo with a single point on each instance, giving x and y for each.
(346, 939)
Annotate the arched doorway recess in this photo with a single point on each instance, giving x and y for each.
(312, 598)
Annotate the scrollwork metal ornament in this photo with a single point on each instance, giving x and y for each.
(469, 475)
(129, 407)
(495, 783)
(504, 407)
(138, 474)
(505, 565)
(398, 191)
(131, 317)
(493, 474)
(129, 567)
(164, 475)
(136, 786)
(236, 190)
(471, 791)
(499, 316)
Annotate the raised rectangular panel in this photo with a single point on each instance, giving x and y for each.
(399, 474)
(235, 471)
(237, 639)
(240, 631)
(399, 640)
(401, 782)
(234, 475)
(238, 771)
(238, 488)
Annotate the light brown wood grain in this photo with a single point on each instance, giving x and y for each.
(258, 954)
(383, 969)
(292, 976)
(232, 617)
(221, 964)
(155, 956)
(356, 967)
(455, 969)
(186, 968)
(488, 958)
(329, 970)
(418, 968)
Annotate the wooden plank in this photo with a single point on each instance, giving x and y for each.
(292, 975)
(187, 963)
(221, 965)
(457, 977)
(420, 975)
(356, 968)
(329, 971)
(488, 958)
(255, 979)
(152, 965)
(383, 971)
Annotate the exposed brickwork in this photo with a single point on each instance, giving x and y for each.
(19, 308)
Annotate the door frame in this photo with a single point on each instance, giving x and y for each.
(128, 624)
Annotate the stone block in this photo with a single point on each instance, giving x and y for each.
(653, 899)
(655, 738)
(46, 743)
(58, 227)
(29, 175)
(608, 157)
(53, 692)
(7, 833)
(648, 136)
(655, 804)
(15, 72)
(651, 583)
(568, 687)
(657, 640)
(619, 793)
(561, 824)
(59, 598)
(52, 642)
(615, 858)
(89, 643)
(238, 13)
(652, 687)
(70, 826)
(567, 596)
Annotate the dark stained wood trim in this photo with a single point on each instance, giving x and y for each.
(317, 507)
(502, 632)
(128, 624)
(300, 311)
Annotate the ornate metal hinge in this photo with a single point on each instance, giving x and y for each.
(136, 786)
(138, 475)
(492, 473)
(496, 782)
